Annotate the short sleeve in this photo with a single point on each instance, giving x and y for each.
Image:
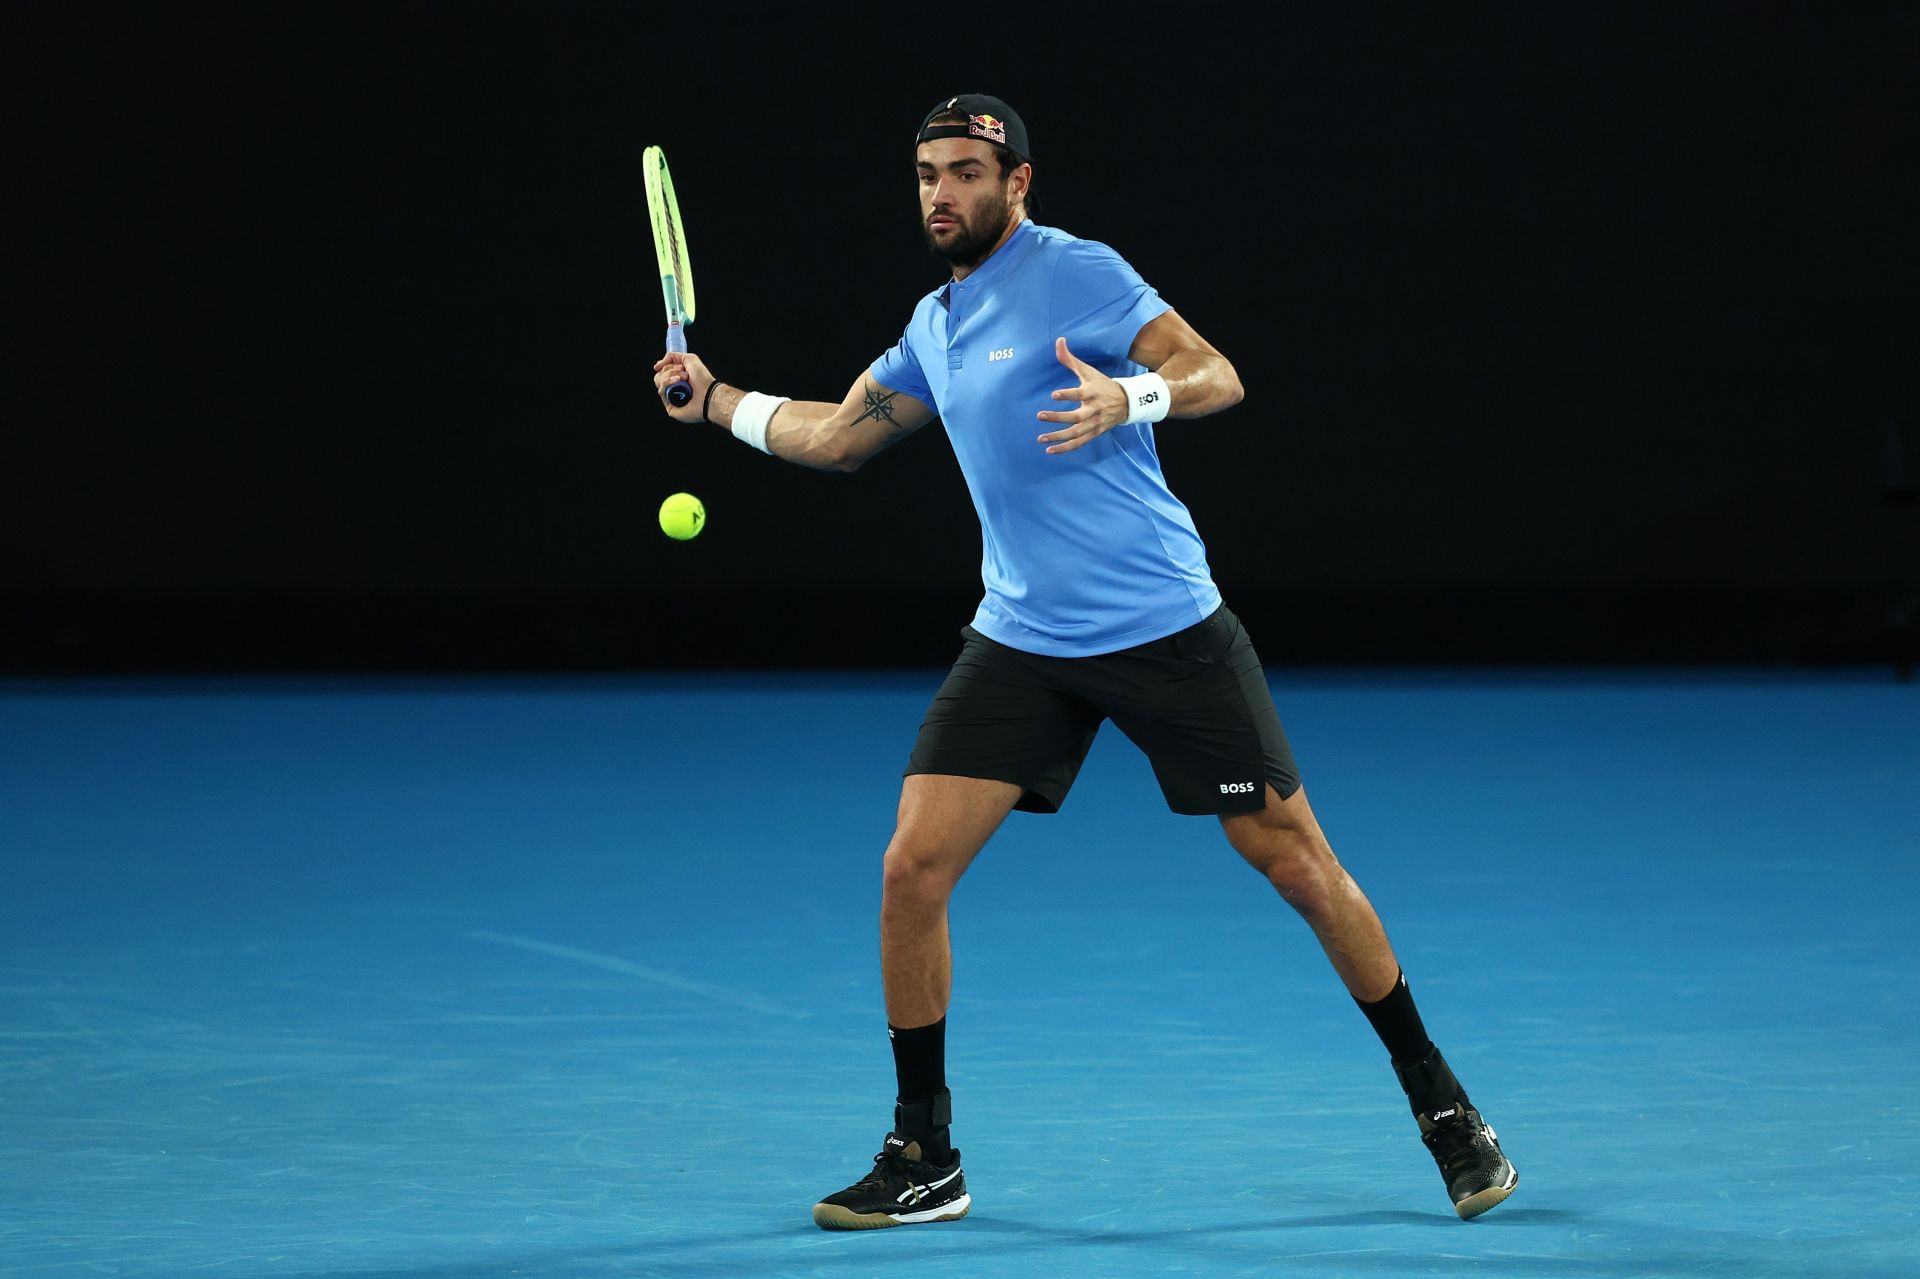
(899, 370)
(1100, 303)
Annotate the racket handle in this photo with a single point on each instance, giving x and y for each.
(680, 392)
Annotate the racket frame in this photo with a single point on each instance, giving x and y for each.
(670, 252)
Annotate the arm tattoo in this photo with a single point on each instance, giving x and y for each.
(879, 408)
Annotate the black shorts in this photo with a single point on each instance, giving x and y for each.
(1196, 702)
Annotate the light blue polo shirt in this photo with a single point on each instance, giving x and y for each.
(1084, 552)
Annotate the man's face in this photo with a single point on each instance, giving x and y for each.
(963, 200)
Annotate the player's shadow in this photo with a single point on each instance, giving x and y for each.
(753, 1254)
(1323, 1221)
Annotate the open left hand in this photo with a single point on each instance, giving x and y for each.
(1103, 405)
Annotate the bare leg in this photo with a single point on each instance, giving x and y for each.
(943, 823)
(1284, 843)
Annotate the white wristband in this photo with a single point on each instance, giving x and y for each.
(751, 415)
(1148, 397)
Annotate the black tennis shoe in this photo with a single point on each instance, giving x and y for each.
(902, 1190)
(1477, 1174)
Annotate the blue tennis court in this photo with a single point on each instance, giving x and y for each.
(578, 977)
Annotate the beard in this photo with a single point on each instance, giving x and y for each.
(972, 238)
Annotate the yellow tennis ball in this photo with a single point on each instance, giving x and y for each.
(682, 516)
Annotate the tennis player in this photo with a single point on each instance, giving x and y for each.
(1050, 359)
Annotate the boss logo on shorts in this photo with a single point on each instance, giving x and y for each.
(1004, 353)
(1237, 788)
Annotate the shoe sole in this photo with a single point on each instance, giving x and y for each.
(1473, 1205)
(834, 1217)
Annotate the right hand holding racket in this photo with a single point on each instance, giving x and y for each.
(680, 366)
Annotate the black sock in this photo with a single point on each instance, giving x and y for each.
(920, 1060)
(924, 1110)
(1398, 1024)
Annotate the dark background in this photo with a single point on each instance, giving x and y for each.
(1571, 332)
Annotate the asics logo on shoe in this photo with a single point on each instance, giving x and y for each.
(894, 1143)
(914, 1194)
(1448, 1113)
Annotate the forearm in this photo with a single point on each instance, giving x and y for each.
(1202, 382)
(800, 431)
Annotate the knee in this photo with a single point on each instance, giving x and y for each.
(1305, 888)
(913, 871)
(1300, 866)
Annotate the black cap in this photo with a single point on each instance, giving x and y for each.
(988, 118)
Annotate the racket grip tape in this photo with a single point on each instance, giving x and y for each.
(680, 392)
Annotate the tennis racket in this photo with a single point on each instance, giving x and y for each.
(670, 247)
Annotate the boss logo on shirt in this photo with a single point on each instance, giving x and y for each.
(1004, 353)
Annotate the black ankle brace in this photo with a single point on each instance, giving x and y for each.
(927, 1123)
(913, 1119)
(1429, 1084)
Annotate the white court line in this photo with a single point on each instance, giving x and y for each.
(659, 976)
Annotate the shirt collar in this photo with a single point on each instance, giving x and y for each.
(1000, 260)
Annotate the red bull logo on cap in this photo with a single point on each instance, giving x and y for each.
(990, 127)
